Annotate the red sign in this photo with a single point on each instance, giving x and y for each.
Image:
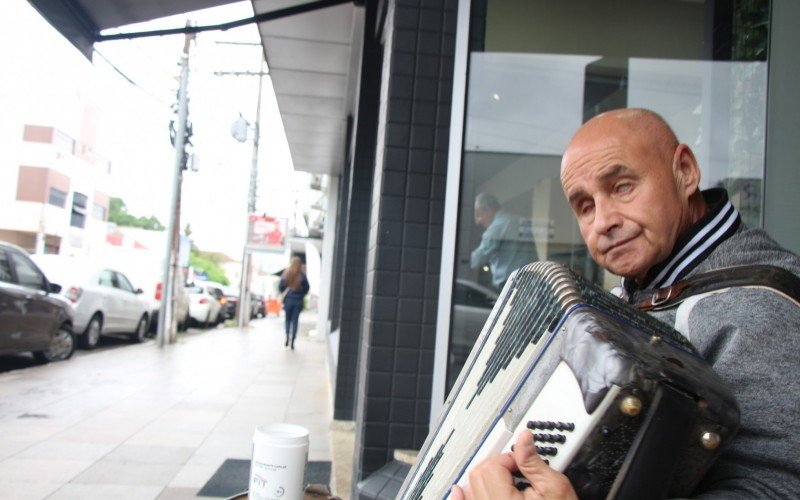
(267, 234)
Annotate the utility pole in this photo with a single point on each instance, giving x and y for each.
(243, 312)
(166, 326)
(244, 289)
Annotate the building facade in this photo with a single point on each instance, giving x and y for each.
(481, 97)
(55, 188)
(424, 111)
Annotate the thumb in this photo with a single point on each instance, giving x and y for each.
(528, 461)
(547, 482)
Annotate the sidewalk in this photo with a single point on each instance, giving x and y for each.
(142, 423)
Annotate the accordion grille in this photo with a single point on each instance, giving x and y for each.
(531, 306)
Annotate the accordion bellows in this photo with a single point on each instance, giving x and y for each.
(618, 401)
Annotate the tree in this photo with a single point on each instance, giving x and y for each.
(208, 263)
(118, 214)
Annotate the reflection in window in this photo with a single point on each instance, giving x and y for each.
(98, 212)
(27, 274)
(65, 145)
(543, 68)
(57, 198)
(79, 209)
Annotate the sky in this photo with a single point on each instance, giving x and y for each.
(44, 76)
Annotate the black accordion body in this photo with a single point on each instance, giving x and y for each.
(616, 400)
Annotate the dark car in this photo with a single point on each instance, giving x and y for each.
(33, 318)
(259, 305)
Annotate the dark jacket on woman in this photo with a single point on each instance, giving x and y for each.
(294, 296)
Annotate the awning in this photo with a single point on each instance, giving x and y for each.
(313, 60)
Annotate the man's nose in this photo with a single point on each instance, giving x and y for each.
(606, 217)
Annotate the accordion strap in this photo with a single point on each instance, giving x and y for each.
(779, 280)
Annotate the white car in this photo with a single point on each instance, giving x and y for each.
(148, 278)
(205, 307)
(104, 299)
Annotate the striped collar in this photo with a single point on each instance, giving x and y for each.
(693, 246)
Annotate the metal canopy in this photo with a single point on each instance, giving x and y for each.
(313, 60)
(80, 21)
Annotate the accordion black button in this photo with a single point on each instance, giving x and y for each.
(546, 450)
(550, 426)
(565, 426)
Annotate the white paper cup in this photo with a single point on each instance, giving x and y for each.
(278, 468)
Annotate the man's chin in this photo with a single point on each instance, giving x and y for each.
(627, 270)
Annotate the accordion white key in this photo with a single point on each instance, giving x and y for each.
(616, 400)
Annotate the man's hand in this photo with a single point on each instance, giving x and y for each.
(492, 478)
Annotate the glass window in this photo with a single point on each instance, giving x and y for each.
(106, 278)
(65, 145)
(79, 204)
(542, 68)
(27, 273)
(99, 212)
(5, 267)
(57, 197)
(123, 283)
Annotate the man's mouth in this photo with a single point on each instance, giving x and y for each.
(617, 244)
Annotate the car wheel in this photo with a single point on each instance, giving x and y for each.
(184, 325)
(141, 330)
(62, 345)
(92, 333)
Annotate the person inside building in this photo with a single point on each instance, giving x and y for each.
(634, 190)
(295, 285)
(504, 245)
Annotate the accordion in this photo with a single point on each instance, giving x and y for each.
(618, 401)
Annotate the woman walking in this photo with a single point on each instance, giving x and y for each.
(295, 283)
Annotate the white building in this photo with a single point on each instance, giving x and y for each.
(54, 185)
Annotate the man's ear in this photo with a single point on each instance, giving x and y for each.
(686, 170)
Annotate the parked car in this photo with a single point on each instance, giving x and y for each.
(232, 303)
(147, 274)
(472, 305)
(205, 306)
(260, 305)
(104, 299)
(181, 305)
(33, 318)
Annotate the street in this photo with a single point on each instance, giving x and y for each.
(134, 421)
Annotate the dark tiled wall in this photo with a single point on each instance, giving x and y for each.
(402, 282)
(337, 274)
(358, 194)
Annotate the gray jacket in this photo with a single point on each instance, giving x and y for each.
(752, 338)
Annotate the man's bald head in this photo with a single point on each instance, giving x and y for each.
(633, 188)
(636, 125)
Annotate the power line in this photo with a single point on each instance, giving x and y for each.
(260, 18)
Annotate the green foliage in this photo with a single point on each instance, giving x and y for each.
(118, 214)
(208, 263)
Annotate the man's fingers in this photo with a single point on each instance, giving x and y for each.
(492, 478)
(545, 481)
(456, 493)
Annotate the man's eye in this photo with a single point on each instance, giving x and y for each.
(623, 187)
(585, 208)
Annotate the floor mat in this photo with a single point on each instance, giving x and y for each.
(233, 475)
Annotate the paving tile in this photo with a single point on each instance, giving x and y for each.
(111, 472)
(74, 491)
(193, 476)
(179, 493)
(67, 450)
(150, 454)
(29, 490)
(41, 469)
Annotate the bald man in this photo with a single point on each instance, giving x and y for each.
(634, 191)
